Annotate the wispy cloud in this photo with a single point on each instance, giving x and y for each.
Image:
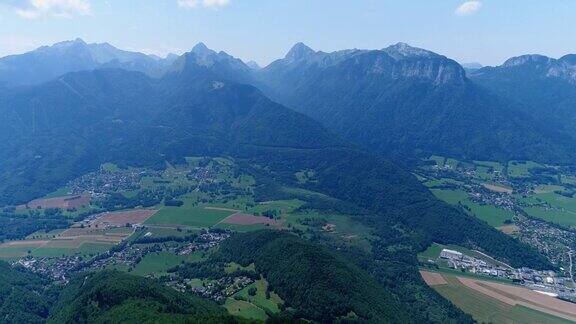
(468, 8)
(191, 4)
(32, 9)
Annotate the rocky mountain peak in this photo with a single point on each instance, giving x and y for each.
(527, 59)
(202, 50)
(299, 51)
(403, 50)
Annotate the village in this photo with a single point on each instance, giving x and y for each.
(512, 195)
(126, 255)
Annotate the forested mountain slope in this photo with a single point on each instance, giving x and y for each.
(407, 101)
(544, 87)
(24, 297)
(317, 284)
(115, 297)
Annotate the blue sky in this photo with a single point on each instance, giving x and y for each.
(486, 31)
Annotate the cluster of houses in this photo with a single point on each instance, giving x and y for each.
(205, 241)
(218, 290)
(102, 182)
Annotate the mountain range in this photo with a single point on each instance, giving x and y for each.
(49, 62)
(543, 87)
(403, 100)
(350, 116)
(208, 103)
(399, 102)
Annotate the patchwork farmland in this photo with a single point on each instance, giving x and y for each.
(65, 202)
(89, 237)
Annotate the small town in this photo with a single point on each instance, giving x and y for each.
(552, 240)
(126, 255)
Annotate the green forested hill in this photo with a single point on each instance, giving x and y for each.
(318, 284)
(115, 297)
(23, 296)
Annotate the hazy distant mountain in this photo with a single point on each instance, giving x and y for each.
(220, 64)
(544, 87)
(49, 62)
(406, 100)
(470, 67)
(253, 65)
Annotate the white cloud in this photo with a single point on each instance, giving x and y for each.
(32, 9)
(468, 8)
(190, 4)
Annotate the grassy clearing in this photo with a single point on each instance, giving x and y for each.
(40, 235)
(188, 215)
(496, 166)
(245, 310)
(233, 267)
(14, 252)
(492, 215)
(453, 197)
(285, 206)
(86, 249)
(519, 169)
(344, 227)
(165, 232)
(563, 211)
(561, 217)
(53, 249)
(442, 182)
(243, 228)
(158, 263)
(438, 159)
(260, 300)
(110, 167)
(64, 191)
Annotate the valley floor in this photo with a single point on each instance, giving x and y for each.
(493, 302)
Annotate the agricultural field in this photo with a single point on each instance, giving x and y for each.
(155, 221)
(62, 202)
(492, 215)
(189, 216)
(497, 193)
(520, 169)
(84, 238)
(282, 206)
(52, 248)
(547, 204)
(491, 302)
